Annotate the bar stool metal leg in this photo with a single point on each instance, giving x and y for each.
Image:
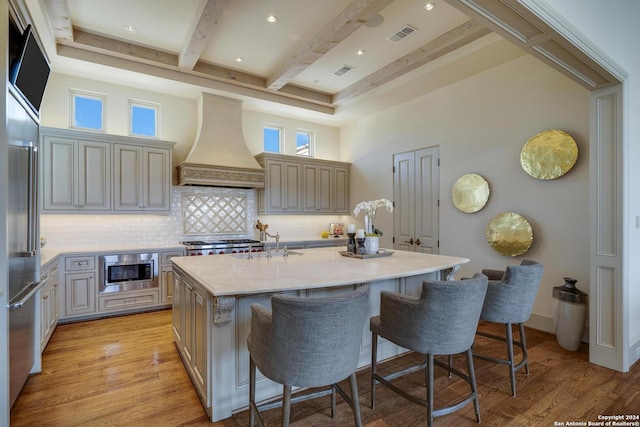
(374, 360)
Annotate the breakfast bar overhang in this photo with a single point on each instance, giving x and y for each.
(212, 317)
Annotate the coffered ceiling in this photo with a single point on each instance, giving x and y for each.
(308, 59)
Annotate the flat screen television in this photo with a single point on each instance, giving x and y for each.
(30, 72)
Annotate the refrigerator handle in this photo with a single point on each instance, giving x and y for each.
(33, 288)
(33, 233)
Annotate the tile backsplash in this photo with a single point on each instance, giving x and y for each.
(196, 213)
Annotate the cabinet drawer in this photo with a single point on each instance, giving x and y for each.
(79, 263)
(127, 300)
(165, 257)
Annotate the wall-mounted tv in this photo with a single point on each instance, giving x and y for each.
(30, 72)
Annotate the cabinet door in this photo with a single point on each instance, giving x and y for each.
(340, 190)
(283, 190)
(166, 284)
(317, 189)
(59, 174)
(45, 313)
(199, 346)
(94, 176)
(156, 179)
(187, 321)
(127, 177)
(76, 175)
(177, 312)
(142, 178)
(80, 293)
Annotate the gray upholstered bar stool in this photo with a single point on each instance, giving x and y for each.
(441, 321)
(307, 342)
(509, 301)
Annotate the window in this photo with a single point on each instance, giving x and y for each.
(143, 118)
(304, 143)
(87, 110)
(272, 139)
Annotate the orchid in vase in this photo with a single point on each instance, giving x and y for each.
(370, 209)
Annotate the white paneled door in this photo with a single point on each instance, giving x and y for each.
(415, 194)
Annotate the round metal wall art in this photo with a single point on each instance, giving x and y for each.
(549, 154)
(509, 233)
(470, 193)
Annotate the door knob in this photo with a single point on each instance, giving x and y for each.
(409, 241)
(418, 242)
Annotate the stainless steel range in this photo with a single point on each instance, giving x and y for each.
(216, 247)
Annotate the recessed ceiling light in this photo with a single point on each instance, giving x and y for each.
(429, 6)
(360, 52)
(130, 28)
(238, 59)
(272, 18)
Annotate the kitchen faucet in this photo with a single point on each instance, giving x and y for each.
(277, 237)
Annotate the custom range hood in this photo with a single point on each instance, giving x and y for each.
(220, 156)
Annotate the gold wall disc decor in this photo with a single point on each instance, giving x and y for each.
(549, 154)
(509, 233)
(470, 193)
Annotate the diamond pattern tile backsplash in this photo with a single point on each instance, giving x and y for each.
(205, 213)
(196, 212)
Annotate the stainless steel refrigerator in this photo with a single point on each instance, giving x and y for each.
(22, 242)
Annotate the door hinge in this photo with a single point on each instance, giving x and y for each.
(394, 204)
(438, 243)
(438, 162)
(394, 169)
(438, 202)
(393, 240)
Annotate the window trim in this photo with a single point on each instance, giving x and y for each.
(280, 130)
(312, 139)
(89, 95)
(144, 104)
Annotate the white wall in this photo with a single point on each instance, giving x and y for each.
(327, 138)
(480, 125)
(613, 27)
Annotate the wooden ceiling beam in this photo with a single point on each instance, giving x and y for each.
(97, 43)
(202, 29)
(343, 25)
(60, 19)
(436, 48)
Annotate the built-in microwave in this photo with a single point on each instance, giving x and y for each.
(128, 272)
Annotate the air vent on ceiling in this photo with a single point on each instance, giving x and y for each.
(402, 33)
(343, 70)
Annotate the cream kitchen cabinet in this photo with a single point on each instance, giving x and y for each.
(142, 178)
(294, 185)
(80, 286)
(166, 275)
(49, 311)
(76, 175)
(191, 309)
(283, 185)
(317, 188)
(89, 172)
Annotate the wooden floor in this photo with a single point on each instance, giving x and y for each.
(125, 371)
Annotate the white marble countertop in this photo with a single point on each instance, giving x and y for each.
(234, 274)
(48, 254)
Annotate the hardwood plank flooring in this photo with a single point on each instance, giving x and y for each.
(125, 371)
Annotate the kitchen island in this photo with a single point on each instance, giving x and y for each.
(213, 295)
